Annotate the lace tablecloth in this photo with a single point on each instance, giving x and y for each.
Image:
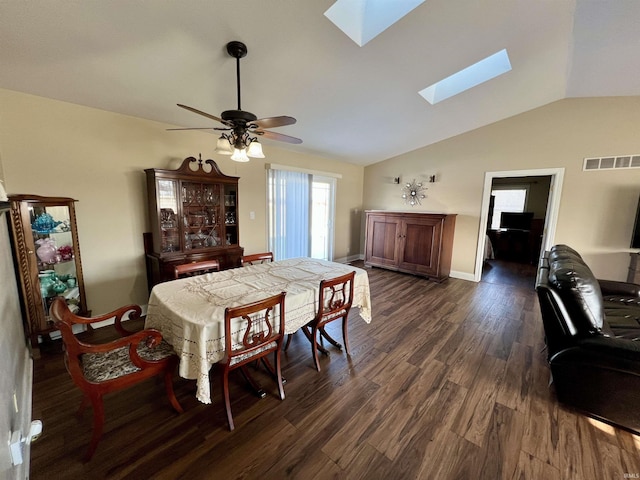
(190, 312)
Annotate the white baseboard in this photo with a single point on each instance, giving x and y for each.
(462, 275)
(349, 259)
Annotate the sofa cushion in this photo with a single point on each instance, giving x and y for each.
(580, 292)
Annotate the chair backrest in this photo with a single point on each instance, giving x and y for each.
(257, 258)
(196, 268)
(335, 298)
(74, 348)
(254, 328)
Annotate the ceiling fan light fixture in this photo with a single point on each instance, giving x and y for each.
(239, 155)
(223, 147)
(241, 125)
(255, 150)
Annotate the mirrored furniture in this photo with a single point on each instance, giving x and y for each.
(193, 212)
(47, 257)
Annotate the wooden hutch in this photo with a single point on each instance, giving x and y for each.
(193, 213)
(417, 243)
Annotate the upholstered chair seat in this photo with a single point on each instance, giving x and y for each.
(100, 367)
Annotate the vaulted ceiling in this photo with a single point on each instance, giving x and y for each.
(355, 104)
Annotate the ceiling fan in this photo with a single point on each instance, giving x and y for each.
(244, 127)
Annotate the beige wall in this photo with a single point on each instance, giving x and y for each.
(56, 148)
(596, 209)
(97, 157)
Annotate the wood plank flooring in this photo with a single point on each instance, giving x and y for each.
(449, 381)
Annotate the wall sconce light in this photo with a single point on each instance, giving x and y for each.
(412, 193)
(432, 179)
(396, 180)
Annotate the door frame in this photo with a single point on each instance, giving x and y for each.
(551, 216)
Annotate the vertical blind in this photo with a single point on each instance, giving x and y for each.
(289, 211)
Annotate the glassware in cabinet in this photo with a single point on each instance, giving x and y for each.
(47, 253)
(205, 202)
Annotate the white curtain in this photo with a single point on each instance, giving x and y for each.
(289, 212)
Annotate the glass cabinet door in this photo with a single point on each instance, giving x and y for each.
(201, 215)
(231, 216)
(55, 256)
(46, 248)
(169, 226)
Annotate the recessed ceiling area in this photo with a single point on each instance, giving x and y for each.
(353, 104)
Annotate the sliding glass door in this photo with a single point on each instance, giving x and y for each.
(301, 213)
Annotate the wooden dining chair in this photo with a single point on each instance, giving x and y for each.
(252, 332)
(98, 369)
(196, 268)
(257, 258)
(334, 302)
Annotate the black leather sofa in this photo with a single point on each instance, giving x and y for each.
(592, 332)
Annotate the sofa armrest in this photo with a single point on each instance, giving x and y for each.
(621, 289)
(605, 352)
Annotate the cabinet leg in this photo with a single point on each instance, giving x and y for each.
(35, 347)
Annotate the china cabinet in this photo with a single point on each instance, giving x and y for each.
(193, 212)
(47, 255)
(417, 243)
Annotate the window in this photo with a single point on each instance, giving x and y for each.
(300, 214)
(507, 199)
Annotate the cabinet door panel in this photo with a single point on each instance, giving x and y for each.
(421, 246)
(381, 241)
(169, 220)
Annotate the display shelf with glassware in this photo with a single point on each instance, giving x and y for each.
(47, 256)
(193, 217)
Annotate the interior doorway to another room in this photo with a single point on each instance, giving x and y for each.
(518, 223)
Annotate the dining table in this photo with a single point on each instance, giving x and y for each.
(189, 312)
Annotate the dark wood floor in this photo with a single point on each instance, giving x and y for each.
(449, 381)
(509, 273)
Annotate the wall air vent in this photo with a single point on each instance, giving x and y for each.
(611, 163)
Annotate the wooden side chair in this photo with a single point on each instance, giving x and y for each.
(98, 369)
(257, 258)
(334, 302)
(196, 268)
(252, 332)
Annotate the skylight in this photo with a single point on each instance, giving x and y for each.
(491, 67)
(362, 20)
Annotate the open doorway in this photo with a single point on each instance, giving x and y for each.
(518, 219)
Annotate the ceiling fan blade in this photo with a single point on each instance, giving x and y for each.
(201, 128)
(277, 136)
(194, 128)
(272, 122)
(200, 112)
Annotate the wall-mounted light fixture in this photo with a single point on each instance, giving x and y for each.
(396, 180)
(412, 193)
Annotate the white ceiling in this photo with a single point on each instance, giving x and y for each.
(355, 104)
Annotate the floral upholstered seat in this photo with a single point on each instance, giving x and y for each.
(100, 367)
